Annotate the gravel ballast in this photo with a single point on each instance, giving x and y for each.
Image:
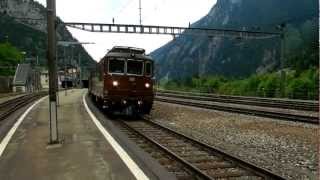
(286, 148)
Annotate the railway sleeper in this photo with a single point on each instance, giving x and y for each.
(177, 145)
(228, 172)
(170, 143)
(147, 149)
(132, 136)
(165, 161)
(174, 167)
(189, 154)
(153, 131)
(140, 141)
(184, 150)
(157, 155)
(205, 158)
(214, 165)
(144, 145)
(182, 175)
(165, 139)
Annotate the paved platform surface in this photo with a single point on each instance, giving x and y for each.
(84, 154)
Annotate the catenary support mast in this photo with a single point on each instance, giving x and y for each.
(51, 56)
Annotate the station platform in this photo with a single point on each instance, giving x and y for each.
(83, 154)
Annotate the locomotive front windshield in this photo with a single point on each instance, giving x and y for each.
(135, 67)
(116, 66)
(130, 67)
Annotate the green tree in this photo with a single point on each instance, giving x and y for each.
(10, 56)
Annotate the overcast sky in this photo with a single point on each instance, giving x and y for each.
(154, 12)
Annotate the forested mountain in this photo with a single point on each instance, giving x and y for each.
(23, 24)
(197, 56)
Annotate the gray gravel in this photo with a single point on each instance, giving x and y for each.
(286, 148)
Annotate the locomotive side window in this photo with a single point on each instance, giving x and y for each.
(116, 66)
(134, 67)
(148, 69)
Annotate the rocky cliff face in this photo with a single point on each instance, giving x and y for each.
(190, 55)
(26, 10)
(24, 23)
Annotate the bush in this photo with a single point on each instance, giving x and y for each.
(9, 58)
(298, 85)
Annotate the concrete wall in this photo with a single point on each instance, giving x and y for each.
(5, 84)
(19, 89)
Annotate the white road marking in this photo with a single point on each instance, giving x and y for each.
(133, 167)
(9, 135)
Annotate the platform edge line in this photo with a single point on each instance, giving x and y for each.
(132, 166)
(16, 125)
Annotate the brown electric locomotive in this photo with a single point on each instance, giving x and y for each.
(123, 81)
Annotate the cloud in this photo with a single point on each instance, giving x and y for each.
(154, 12)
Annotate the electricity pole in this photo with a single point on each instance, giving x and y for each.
(51, 56)
(79, 65)
(140, 12)
(65, 70)
(282, 60)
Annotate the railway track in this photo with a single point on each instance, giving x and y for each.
(188, 158)
(4, 95)
(255, 101)
(255, 112)
(9, 107)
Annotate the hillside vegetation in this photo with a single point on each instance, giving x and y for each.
(239, 57)
(10, 56)
(239, 66)
(29, 34)
(299, 85)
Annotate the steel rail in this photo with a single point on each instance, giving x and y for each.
(9, 107)
(212, 151)
(12, 101)
(278, 115)
(262, 99)
(194, 169)
(256, 102)
(4, 95)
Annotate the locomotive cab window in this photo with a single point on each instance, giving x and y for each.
(148, 69)
(116, 66)
(134, 67)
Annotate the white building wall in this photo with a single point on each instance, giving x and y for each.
(44, 78)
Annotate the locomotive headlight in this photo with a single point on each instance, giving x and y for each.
(115, 83)
(147, 85)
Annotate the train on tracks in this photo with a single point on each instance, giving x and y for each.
(123, 81)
